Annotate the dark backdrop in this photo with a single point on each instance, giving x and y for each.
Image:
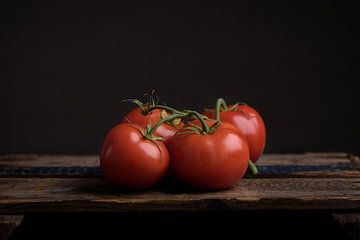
(66, 65)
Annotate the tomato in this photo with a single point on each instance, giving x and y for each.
(165, 130)
(249, 122)
(131, 161)
(211, 161)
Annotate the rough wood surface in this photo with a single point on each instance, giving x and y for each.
(326, 182)
(36, 160)
(355, 161)
(270, 165)
(27, 195)
(323, 181)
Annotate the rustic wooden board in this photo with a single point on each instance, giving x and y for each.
(270, 165)
(307, 165)
(36, 160)
(29, 195)
(34, 183)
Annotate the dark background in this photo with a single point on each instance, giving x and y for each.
(66, 65)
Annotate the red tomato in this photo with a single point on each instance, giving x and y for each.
(165, 130)
(213, 161)
(131, 161)
(249, 122)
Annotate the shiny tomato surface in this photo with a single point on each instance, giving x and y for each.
(249, 122)
(131, 161)
(212, 161)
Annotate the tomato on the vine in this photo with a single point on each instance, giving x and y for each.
(142, 117)
(248, 121)
(131, 159)
(205, 154)
(152, 113)
(214, 160)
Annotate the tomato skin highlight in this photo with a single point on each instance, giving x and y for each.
(211, 162)
(130, 161)
(164, 130)
(249, 122)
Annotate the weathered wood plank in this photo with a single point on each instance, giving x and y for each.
(264, 172)
(29, 195)
(270, 165)
(315, 159)
(35, 160)
(355, 161)
(50, 172)
(34, 165)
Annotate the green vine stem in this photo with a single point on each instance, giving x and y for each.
(252, 167)
(152, 105)
(181, 114)
(201, 118)
(147, 108)
(221, 106)
(184, 114)
(140, 104)
(163, 120)
(163, 107)
(220, 103)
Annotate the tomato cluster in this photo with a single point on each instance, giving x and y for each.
(210, 151)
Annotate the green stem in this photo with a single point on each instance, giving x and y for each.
(252, 167)
(205, 127)
(151, 100)
(137, 102)
(220, 103)
(166, 119)
(169, 109)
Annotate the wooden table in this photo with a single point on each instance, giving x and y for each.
(61, 184)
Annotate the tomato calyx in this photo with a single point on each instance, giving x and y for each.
(164, 114)
(204, 127)
(152, 104)
(149, 131)
(195, 129)
(173, 117)
(222, 107)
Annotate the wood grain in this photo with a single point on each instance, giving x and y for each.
(270, 165)
(326, 182)
(36, 160)
(28, 195)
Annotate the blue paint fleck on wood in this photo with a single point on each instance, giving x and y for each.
(95, 171)
(280, 169)
(23, 171)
